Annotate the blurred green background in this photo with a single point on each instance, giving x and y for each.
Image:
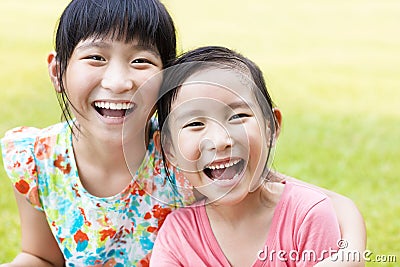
(333, 69)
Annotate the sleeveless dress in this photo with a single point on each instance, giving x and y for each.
(91, 231)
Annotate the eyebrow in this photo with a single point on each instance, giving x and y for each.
(95, 44)
(150, 49)
(239, 104)
(188, 115)
(101, 44)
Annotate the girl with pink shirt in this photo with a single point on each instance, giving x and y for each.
(218, 126)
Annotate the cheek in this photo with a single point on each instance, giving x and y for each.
(188, 147)
(248, 137)
(148, 88)
(187, 153)
(256, 144)
(256, 152)
(78, 81)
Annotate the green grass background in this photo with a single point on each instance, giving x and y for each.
(332, 67)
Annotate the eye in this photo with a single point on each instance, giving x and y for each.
(95, 57)
(140, 61)
(194, 124)
(239, 116)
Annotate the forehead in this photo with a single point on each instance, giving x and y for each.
(109, 41)
(222, 85)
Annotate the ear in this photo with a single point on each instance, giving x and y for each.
(53, 66)
(166, 146)
(157, 140)
(278, 124)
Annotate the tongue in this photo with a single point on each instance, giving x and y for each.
(223, 174)
(112, 113)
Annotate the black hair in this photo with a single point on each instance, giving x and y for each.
(147, 21)
(204, 58)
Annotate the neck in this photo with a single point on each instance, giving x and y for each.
(241, 229)
(106, 167)
(264, 198)
(230, 213)
(110, 152)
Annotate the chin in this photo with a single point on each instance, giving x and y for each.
(229, 198)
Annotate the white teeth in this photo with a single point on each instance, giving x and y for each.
(112, 105)
(222, 166)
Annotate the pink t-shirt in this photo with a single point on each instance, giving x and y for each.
(304, 230)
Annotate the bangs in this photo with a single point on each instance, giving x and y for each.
(120, 20)
(146, 21)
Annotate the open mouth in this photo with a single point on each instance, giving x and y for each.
(224, 171)
(112, 109)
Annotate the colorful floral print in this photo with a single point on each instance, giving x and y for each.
(91, 231)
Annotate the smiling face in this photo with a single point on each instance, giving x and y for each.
(218, 135)
(102, 81)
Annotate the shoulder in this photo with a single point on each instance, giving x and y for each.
(308, 215)
(300, 203)
(185, 218)
(303, 194)
(316, 226)
(176, 239)
(22, 148)
(28, 134)
(184, 224)
(24, 135)
(183, 240)
(296, 190)
(31, 141)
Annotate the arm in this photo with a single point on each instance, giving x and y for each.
(318, 232)
(352, 228)
(351, 222)
(26, 259)
(39, 248)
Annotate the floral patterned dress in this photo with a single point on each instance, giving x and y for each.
(91, 231)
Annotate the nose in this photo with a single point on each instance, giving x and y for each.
(218, 137)
(117, 78)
